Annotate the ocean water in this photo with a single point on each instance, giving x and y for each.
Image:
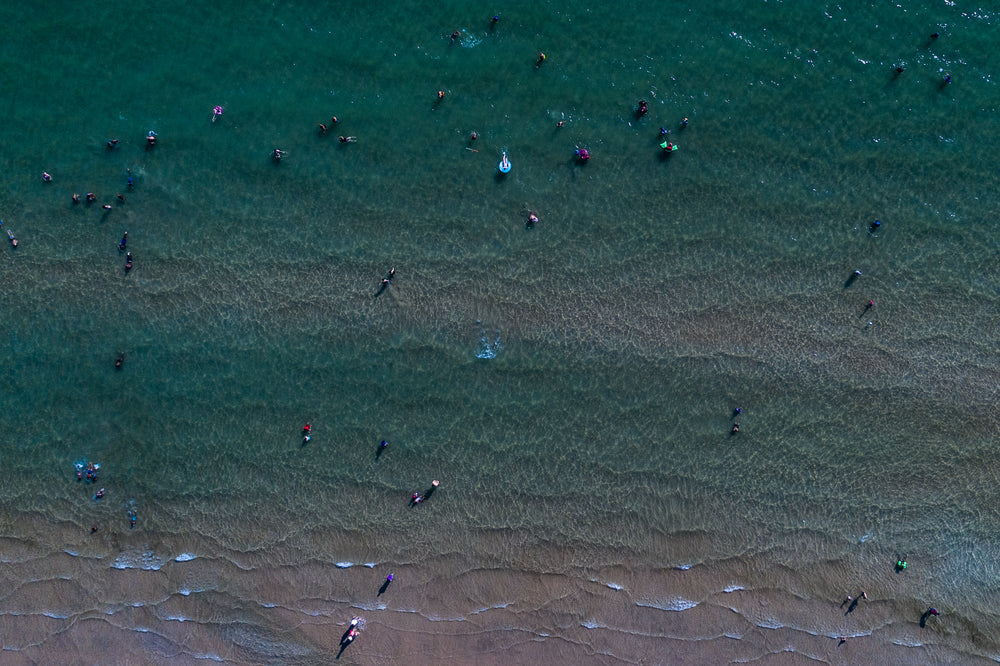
(571, 384)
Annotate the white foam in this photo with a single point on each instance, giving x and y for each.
(345, 565)
(211, 656)
(370, 565)
(146, 560)
(486, 608)
(438, 618)
(71, 552)
(487, 349)
(733, 587)
(591, 624)
(672, 604)
(185, 557)
(907, 643)
(684, 567)
(615, 586)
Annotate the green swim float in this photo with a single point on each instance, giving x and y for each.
(669, 147)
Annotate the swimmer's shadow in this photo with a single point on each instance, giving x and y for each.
(381, 590)
(344, 643)
(850, 609)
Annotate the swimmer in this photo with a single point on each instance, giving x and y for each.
(277, 154)
(131, 519)
(416, 498)
(306, 428)
(119, 360)
(582, 154)
(122, 242)
(454, 36)
(473, 136)
(541, 59)
(121, 197)
(150, 139)
(128, 261)
(933, 611)
(93, 528)
(664, 131)
(46, 177)
(322, 128)
(684, 123)
(130, 183)
(347, 139)
(494, 21)
(874, 226)
(383, 444)
(947, 79)
(76, 198)
(560, 123)
(91, 197)
(388, 578)
(100, 494)
(388, 278)
(106, 206)
(532, 219)
(643, 108)
(334, 120)
(306, 439)
(736, 428)
(440, 94)
(216, 112)
(10, 236)
(737, 412)
(112, 144)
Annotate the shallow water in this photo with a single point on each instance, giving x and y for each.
(572, 384)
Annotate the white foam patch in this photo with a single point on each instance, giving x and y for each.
(684, 567)
(345, 565)
(370, 565)
(733, 587)
(675, 604)
(488, 608)
(907, 643)
(146, 560)
(438, 618)
(615, 586)
(185, 557)
(591, 624)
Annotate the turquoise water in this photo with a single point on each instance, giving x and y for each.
(571, 384)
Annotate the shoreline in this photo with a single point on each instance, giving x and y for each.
(453, 608)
